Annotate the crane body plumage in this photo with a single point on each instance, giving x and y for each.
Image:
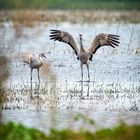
(36, 62)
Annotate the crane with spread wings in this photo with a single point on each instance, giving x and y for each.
(85, 55)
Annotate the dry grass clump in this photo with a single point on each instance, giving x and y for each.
(3, 68)
(136, 50)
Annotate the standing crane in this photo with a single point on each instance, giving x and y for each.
(85, 56)
(35, 62)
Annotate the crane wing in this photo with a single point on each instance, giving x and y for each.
(103, 40)
(65, 37)
(26, 56)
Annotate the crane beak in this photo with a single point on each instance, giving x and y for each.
(43, 55)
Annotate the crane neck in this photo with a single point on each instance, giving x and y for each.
(81, 46)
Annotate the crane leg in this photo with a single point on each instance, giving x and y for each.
(38, 76)
(31, 77)
(82, 71)
(31, 74)
(88, 72)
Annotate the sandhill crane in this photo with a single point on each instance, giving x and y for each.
(85, 56)
(35, 62)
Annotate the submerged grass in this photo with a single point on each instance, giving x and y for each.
(68, 95)
(17, 131)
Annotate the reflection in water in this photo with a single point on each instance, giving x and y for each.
(88, 90)
(85, 85)
(36, 85)
(81, 88)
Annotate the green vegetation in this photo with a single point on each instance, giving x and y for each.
(11, 131)
(94, 4)
(71, 4)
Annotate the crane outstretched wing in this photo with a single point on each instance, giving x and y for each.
(58, 35)
(103, 40)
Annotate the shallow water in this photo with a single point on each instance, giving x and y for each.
(112, 95)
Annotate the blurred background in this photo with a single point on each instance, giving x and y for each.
(73, 4)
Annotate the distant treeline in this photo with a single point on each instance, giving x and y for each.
(71, 4)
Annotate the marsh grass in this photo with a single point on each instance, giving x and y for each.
(116, 96)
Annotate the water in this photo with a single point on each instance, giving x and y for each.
(112, 95)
